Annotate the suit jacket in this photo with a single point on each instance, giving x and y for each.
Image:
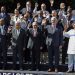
(24, 10)
(6, 17)
(54, 37)
(34, 41)
(19, 40)
(3, 37)
(15, 19)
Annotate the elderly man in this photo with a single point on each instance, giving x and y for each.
(45, 12)
(35, 44)
(53, 42)
(28, 8)
(16, 18)
(18, 44)
(5, 16)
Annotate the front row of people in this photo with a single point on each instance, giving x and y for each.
(51, 34)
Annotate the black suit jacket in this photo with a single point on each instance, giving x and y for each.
(21, 40)
(3, 37)
(6, 17)
(35, 41)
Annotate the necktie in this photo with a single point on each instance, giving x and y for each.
(2, 30)
(35, 32)
(18, 32)
(16, 18)
(53, 28)
(2, 14)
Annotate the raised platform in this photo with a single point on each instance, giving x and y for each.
(18, 72)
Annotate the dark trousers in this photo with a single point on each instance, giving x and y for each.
(3, 52)
(64, 50)
(27, 55)
(17, 52)
(35, 58)
(53, 51)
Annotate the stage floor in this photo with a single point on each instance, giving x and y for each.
(25, 72)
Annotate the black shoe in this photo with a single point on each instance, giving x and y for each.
(33, 69)
(56, 70)
(21, 69)
(37, 69)
(49, 70)
(69, 71)
(4, 67)
(14, 68)
(29, 69)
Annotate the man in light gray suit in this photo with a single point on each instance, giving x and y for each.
(53, 42)
(18, 44)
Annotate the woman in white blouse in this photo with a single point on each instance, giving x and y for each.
(71, 47)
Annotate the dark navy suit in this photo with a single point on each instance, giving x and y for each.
(53, 41)
(3, 44)
(6, 18)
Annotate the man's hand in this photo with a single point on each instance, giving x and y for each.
(36, 4)
(51, 2)
(9, 29)
(65, 28)
(18, 5)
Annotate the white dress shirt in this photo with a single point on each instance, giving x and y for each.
(71, 45)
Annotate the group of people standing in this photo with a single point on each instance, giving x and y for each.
(35, 30)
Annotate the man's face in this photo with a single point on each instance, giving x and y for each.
(74, 25)
(18, 5)
(53, 21)
(16, 12)
(36, 19)
(35, 25)
(54, 13)
(3, 9)
(51, 1)
(28, 4)
(25, 17)
(62, 6)
(43, 6)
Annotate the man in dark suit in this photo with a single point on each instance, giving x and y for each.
(3, 41)
(53, 42)
(18, 44)
(35, 44)
(5, 16)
